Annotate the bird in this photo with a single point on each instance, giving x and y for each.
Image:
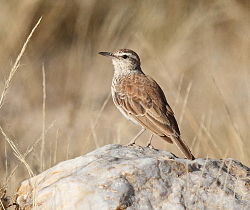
(141, 100)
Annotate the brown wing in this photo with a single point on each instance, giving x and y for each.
(142, 98)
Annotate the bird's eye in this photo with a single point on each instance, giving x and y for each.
(124, 56)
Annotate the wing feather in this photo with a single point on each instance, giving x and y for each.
(142, 99)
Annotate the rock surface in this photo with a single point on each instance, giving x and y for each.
(120, 177)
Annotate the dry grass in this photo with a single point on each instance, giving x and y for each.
(198, 51)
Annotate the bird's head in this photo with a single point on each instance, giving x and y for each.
(124, 60)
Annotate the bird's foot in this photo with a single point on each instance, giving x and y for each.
(149, 144)
(131, 144)
(151, 147)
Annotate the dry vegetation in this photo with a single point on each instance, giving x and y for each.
(58, 105)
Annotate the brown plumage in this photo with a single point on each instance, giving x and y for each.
(141, 100)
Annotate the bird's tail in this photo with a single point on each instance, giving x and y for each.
(183, 147)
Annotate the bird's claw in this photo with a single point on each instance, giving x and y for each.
(151, 147)
(131, 144)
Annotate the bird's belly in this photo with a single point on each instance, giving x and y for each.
(124, 113)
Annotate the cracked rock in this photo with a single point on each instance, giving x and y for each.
(121, 177)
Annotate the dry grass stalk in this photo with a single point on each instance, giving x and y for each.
(17, 153)
(230, 117)
(4, 93)
(43, 121)
(185, 103)
(55, 150)
(17, 64)
(28, 151)
(93, 126)
(213, 141)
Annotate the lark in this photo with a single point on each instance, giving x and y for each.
(141, 100)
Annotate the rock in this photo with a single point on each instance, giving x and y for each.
(121, 177)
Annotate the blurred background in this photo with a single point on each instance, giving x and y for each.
(198, 51)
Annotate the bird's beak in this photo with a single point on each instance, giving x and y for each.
(106, 54)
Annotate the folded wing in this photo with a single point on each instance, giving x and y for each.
(142, 99)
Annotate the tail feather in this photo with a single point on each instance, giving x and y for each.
(181, 145)
(168, 139)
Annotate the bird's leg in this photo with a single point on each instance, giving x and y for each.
(132, 142)
(150, 141)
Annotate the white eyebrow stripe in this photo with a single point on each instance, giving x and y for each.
(133, 56)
